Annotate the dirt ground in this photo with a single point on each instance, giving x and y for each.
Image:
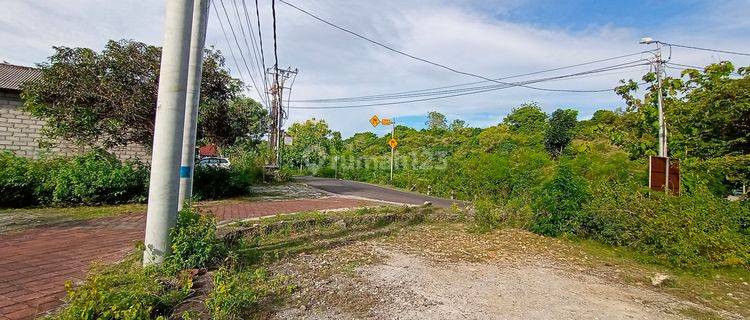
(446, 272)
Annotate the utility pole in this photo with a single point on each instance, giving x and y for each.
(393, 148)
(170, 119)
(195, 70)
(278, 114)
(658, 66)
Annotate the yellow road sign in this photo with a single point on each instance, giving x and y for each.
(375, 120)
(386, 122)
(393, 143)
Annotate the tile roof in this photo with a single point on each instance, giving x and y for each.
(12, 76)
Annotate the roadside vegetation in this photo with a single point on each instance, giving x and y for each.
(558, 176)
(124, 76)
(307, 263)
(221, 275)
(99, 178)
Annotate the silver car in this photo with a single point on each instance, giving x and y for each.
(215, 162)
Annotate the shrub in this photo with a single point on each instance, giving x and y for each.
(560, 202)
(486, 215)
(212, 183)
(194, 241)
(92, 178)
(98, 177)
(124, 291)
(128, 291)
(16, 185)
(692, 231)
(237, 293)
(326, 172)
(216, 183)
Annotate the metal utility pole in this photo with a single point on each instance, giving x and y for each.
(659, 67)
(393, 148)
(195, 70)
(278, 113)
(170, 119)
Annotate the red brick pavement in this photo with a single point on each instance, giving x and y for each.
(35, 263)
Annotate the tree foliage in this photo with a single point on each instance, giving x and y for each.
(241, 121)
(560, 130)
(109, 97)
(528, 118)
(436, 121)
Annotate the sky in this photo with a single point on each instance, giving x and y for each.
(491, 38)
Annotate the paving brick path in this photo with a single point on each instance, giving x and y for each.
(35, 263)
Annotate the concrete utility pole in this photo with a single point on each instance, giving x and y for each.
(195, 70)
(170, 118)
(659, 67)
(277, 114)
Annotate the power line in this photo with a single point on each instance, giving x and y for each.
(380, 44)
(441, 92)
(275, 47)
(685, 65)
(234, 35)
(257, 49)
(251, 51)
(469, 89)
(478, 82)
(239, 69)
(262, 54)
(706, 49)
(476, 91)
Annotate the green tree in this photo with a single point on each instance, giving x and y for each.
(436, 121)
(713, 119)
(528, 118)
(560, 131)
(110, 97)
(242, 120)
(457, 124)
(312, 144)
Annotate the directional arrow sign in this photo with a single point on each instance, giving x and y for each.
(393, 143)
(375, 120)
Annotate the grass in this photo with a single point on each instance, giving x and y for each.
(17, 219)
(725, 288)
(283, 236)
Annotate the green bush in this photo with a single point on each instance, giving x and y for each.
(98, 177)
(124, 291)
(92, 178)
(486, 215)
(128, 291)
(237, 293)
(194, 241)
(16, 183)
(698, 230)
(215, 183)
(560, 203)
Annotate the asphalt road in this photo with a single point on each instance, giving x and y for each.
(352, 188)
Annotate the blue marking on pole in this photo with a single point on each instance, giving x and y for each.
(185, 172)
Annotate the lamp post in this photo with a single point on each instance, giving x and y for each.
(658, 66)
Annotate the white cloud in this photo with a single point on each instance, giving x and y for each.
(335, 64)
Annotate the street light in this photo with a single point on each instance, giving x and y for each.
(658, 66)
(647, 40)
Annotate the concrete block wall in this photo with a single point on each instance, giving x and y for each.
(20, 133)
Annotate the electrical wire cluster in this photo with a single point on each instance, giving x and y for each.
(486, 83)
(250, 47)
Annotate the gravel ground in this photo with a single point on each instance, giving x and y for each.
(434, 274)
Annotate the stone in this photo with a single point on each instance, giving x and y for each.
(659, 279)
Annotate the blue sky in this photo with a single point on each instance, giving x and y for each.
(493, 38)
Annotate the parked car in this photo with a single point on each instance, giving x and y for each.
(216, 162)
